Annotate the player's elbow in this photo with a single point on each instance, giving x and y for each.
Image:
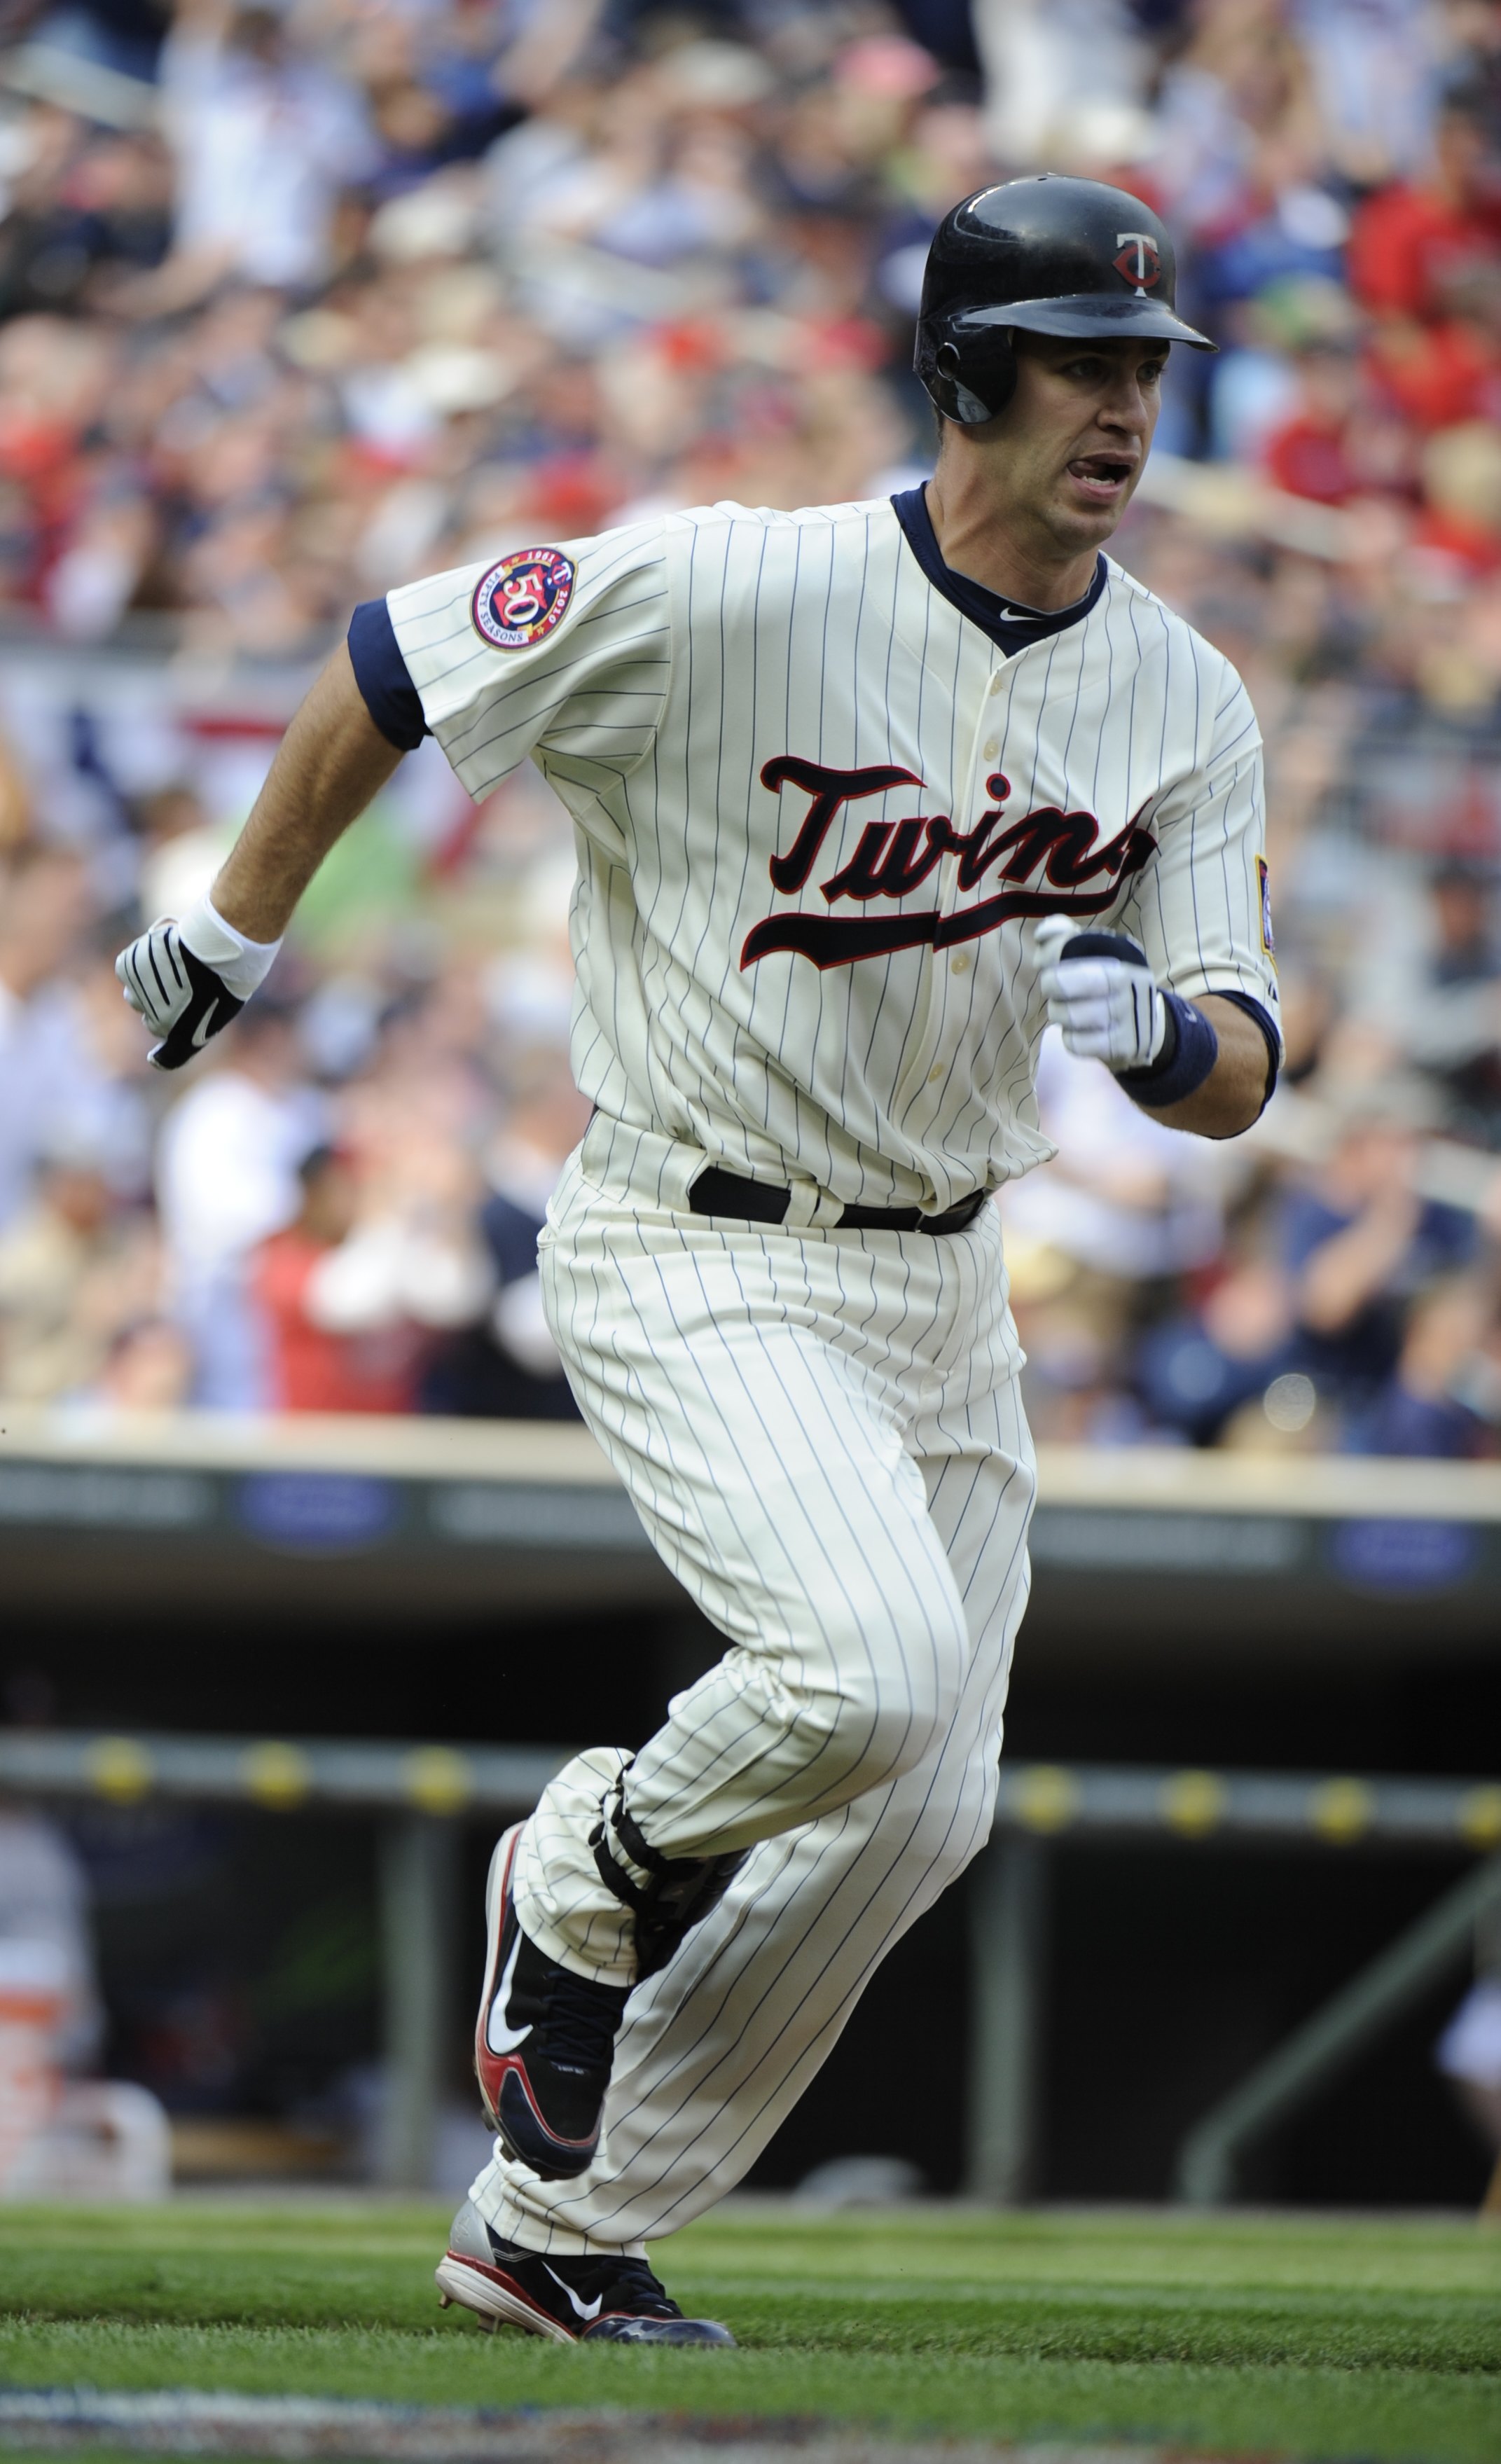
(1230, 1118)
(1234, 1094)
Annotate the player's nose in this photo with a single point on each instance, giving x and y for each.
(1126, 406)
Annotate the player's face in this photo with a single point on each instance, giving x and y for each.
(1070, 445)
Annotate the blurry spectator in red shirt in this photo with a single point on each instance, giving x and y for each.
(1313, 453)
(355, 1289)
(1411, 243)
(1461, 521)
(314, 1365)
(1341, 437)
(1434, 375)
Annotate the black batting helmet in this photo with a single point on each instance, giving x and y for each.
(1048, 256)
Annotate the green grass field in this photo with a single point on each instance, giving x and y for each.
(1305, 2338)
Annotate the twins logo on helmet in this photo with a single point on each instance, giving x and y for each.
(523, 597)
(1140, 262)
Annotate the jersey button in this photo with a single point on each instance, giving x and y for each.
(991, 750)
(958, 964)
(939, 1069)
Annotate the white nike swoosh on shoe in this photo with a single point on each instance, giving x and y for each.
(498, 2037)
(583, 2309)
(201, 1030)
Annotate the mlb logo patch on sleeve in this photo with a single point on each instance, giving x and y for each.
(1267, 941)
(523, 597)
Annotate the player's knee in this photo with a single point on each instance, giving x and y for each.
(957, 1853)
(897, 1707)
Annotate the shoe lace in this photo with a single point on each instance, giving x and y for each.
(582, 2018)
(643, 2292)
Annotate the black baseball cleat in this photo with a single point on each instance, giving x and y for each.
(543, 2042)
(601, 2301)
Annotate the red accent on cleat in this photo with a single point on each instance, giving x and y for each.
(490, 2069)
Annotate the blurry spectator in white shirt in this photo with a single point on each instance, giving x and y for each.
(1045, 59)
(263, 141)
(226, 1178)
(1125, 1195)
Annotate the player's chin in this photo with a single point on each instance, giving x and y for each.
(1093, 498)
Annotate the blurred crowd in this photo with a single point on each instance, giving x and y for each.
(299, 300)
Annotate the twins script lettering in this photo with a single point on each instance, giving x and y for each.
(1060, 856)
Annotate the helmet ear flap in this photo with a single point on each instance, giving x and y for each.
(969, 376)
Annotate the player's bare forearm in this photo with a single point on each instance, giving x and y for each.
(1231, 1096)
(332, 759)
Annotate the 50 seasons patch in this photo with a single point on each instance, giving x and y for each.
(523, 597)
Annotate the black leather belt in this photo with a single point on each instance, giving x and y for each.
(716, 1192)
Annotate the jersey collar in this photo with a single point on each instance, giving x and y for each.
(1011, 628)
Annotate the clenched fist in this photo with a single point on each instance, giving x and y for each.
(188, 976)
(1103, 995)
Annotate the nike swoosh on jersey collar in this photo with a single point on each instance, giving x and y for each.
(1010, 628)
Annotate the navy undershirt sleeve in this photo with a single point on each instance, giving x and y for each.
(379, 671)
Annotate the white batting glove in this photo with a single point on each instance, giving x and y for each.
(1105, 998)
(189, 978)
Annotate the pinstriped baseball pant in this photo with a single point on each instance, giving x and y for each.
(823, 1437)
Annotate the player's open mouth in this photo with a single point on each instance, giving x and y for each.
(1103, 478)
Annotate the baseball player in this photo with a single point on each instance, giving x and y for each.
(863, 796)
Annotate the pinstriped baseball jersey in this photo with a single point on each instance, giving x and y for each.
(817, 811)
